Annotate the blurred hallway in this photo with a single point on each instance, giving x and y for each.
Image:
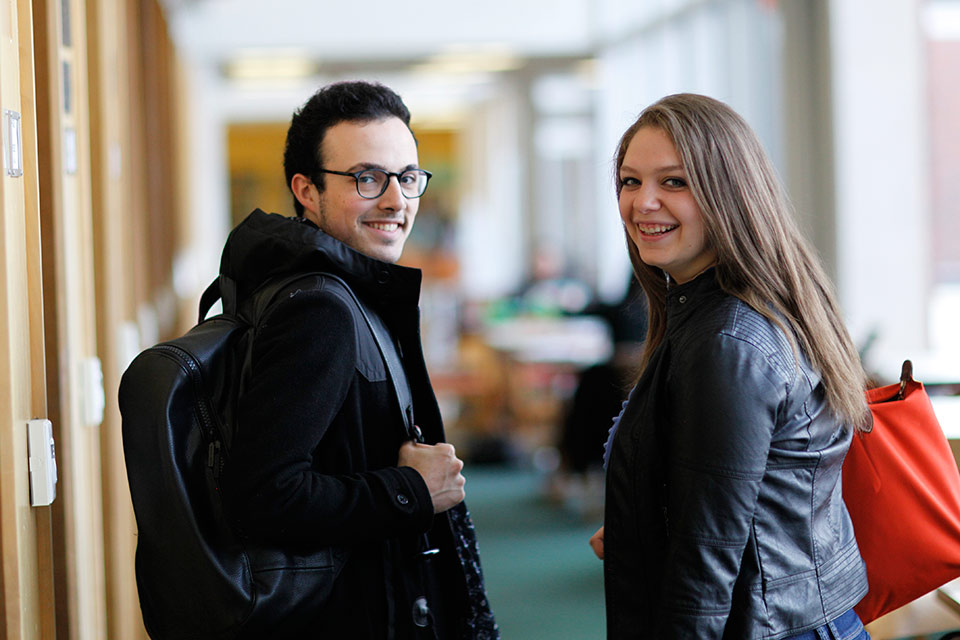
(543, 580)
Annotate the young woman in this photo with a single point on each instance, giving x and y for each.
(724, 515)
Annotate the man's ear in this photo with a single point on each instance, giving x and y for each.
(305, 192)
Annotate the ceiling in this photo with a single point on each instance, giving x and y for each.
(441, 55)
(377, 33)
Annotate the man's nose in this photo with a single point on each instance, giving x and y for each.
(392, 198)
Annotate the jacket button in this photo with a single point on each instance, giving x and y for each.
(402, 499)
(682, 299)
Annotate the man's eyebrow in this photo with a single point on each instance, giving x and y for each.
(361, 166)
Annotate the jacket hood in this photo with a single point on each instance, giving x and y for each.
(267, 245)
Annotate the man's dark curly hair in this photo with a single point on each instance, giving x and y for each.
(335, 103)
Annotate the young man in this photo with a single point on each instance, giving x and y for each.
(322, 456)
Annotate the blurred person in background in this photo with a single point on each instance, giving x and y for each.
(599, 396)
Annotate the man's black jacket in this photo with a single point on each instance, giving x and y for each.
(314, 458)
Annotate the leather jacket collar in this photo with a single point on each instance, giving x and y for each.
(684, 299)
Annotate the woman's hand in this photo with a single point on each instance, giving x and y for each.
(596, 543)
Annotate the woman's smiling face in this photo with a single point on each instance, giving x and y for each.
(658, 209)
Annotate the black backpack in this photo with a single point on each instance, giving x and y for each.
(197, 578)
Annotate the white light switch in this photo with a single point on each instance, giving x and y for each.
(42, 462)
(12, 156)
(94, 397)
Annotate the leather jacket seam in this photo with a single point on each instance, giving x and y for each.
(814, 544)
(803, 576)
(765, 338)
(724, 472)
(806, 408)
(701, 612)
(769, 358)
(710, 542)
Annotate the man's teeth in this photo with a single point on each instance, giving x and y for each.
(385, 226)
(657, 229)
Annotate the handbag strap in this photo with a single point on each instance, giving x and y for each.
(906, 375)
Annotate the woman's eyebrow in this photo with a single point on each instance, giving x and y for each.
(666, 169)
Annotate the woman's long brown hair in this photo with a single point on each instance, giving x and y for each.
(762, 257)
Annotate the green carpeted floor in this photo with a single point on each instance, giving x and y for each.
(543, 580)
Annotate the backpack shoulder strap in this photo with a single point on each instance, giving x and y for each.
(210, 295)
(224, 288)
(388, 351)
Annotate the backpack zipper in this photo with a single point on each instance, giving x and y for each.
(214, 457)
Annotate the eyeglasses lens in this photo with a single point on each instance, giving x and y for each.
(373, 182)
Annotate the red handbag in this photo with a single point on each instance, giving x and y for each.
(902, 489)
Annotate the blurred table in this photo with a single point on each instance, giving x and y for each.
(579, 341)
(541, 358)
(934, 613)
(950, 594)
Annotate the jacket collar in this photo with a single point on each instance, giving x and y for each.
(268, 245)
(683, 299)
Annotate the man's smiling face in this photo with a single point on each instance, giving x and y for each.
(376, 227)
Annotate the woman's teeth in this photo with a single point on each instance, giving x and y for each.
(657, 229)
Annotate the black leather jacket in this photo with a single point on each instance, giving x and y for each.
(724, 514)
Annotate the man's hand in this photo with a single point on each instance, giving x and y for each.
(440, 468)
(596, 542)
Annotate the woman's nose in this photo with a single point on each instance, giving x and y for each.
(646, 199)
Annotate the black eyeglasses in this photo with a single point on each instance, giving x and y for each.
(371, 183)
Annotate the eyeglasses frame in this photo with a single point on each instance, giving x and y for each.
(356, 179)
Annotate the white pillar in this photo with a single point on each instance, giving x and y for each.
(880, 176)
(490, 228)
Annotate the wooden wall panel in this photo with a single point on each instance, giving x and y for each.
(69, 303)
(112, 199)
(159, 130)
(26, 608)
(88, 236)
